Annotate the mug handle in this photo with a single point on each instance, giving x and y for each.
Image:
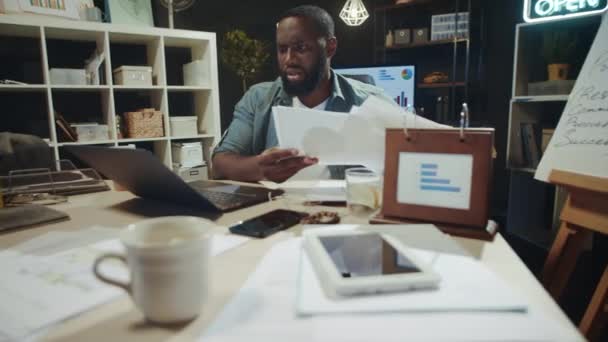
(100, 276)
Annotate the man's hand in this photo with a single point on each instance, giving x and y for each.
(278, 165)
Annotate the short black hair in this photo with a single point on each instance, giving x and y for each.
(321, 20)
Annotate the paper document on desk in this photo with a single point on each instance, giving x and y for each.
(343, 139)
(480, 290)
(264, 310)
(39, 290)
(313, 190)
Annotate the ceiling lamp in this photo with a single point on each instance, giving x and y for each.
(354, 13)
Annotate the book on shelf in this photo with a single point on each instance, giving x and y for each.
(547, 134)
(531, 143)
(66, 132)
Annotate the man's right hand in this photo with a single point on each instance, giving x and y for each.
(278, 165)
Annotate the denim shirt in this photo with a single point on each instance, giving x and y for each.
(252, 130)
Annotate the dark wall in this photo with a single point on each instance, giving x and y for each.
(258, 19)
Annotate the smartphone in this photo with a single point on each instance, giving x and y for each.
(268, 223)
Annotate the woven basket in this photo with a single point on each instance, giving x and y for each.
(146, 123)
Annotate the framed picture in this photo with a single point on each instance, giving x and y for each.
(130, 12)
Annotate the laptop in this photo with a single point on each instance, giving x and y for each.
(142, 173)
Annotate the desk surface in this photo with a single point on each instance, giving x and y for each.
(119, 320)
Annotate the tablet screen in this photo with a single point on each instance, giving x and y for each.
(365, 255)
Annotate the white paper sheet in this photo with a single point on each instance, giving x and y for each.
(264, 310)
(57, 241)
(479, 291)
(37, 291)
(316, 133)
(313, 190)
(580, 141)
(337, 139)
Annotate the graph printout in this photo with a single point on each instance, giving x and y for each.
(435, 179)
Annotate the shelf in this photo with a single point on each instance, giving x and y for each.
(441, 85)
(41, 43)
(136, 88)
(24, 88)
(404, 5)
(188, 88)
(198, 136)
(129, 140)
(541, 98)
(97, 142)
(80, 87)
(423, 44)
(523, 169)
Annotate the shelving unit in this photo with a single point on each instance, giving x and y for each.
(421, 44)
(457, 57)
(38, 44)
(534, 205)
(441, 85)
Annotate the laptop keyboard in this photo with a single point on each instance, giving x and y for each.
(225, 201)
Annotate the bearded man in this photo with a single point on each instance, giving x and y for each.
(305, 44)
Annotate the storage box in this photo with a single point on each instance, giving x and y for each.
(196, 73)
(133, 75)
(187, 153)
(144, 123)
(91, 131)
(68, 76)
(443, 26)
(402, 36)
(183, 126)
(420, 35)
(191, 174)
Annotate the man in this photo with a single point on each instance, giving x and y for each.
(305, 45)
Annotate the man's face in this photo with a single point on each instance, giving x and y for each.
(301, 55)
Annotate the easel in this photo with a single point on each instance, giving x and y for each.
(585, 213)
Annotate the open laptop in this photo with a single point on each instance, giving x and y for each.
(145, 175)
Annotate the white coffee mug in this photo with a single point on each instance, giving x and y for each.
(168, 261)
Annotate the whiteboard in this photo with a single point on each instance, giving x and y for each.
(580, 141)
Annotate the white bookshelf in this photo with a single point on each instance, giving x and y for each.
(534, 206)
(165, 50)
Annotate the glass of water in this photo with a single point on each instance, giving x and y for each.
(363, 191)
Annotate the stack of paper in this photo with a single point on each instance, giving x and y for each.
(337, 139)
(312, 190)
(480, 290)
(265, 309)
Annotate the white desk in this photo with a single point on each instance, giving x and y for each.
(120, 321)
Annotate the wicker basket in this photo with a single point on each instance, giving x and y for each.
(144, 123)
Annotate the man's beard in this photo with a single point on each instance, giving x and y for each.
(309, 83)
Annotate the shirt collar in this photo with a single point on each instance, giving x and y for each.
(336, 91)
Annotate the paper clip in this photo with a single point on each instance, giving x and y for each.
(464, 120)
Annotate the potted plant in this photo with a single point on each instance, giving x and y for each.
(559, 47)
(244, 55)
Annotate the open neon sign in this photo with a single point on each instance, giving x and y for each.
(545, 10)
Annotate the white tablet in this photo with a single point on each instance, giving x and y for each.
(363, 262)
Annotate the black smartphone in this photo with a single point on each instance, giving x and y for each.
(268, 224)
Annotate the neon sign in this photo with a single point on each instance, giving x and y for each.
(545, 10)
